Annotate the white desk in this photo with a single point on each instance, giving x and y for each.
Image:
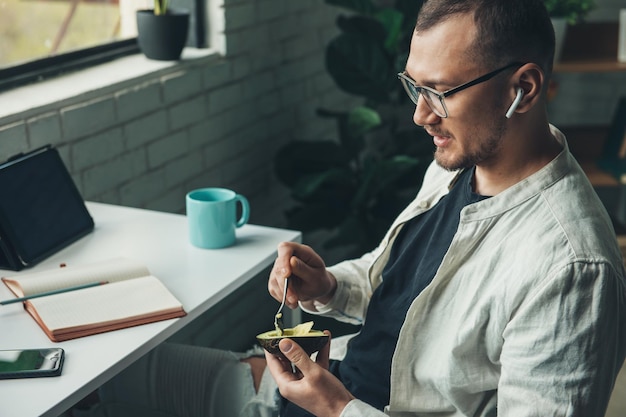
(199, 278)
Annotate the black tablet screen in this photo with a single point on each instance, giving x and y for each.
(41, 210)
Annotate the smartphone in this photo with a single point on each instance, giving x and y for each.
(31, 363)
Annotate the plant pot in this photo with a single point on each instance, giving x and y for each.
(560, 30)
(162, 37)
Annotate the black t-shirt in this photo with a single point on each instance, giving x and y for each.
(414, 259)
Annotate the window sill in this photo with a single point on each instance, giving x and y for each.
(18, 102)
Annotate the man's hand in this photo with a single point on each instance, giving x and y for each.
(308, 278)
(311, 386)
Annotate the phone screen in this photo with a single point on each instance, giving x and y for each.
(28, 363)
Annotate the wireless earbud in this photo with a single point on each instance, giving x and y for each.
(518, 99)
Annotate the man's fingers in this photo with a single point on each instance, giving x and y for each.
(296, 355)
(305, 270)
(281, 370)
(280, 271)
(308, 256)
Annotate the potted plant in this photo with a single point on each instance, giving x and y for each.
(354, 185)
(564, 12)
(162, 31)
(573, 11)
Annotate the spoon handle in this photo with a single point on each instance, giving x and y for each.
(278, 322)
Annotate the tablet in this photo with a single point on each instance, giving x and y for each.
(41, 210)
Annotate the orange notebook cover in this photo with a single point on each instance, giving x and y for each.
(131, 297)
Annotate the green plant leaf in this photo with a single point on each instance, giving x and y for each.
(392, 22)
(356, 185)
(360, 234)
(366, 27)
(360, 66)
(160, 7)
(410, 9)
(351, 145)
(299, 159)
(382, 175)
(331, 180)
(362, 120)
(314, 216)
(390, 170)
(572, 10)
(350, 232)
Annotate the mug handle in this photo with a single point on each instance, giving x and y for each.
(245, 210)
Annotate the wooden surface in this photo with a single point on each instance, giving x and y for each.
(590, 47)
(601, 65)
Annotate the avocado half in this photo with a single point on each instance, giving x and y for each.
(311, 342)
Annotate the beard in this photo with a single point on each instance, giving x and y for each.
(479, 147)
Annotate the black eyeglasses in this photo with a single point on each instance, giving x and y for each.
(434, 98)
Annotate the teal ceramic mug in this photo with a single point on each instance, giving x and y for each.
(212, 216)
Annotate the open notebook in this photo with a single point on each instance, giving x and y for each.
(130, 297)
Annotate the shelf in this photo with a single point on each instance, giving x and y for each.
(589, 66)
(590, 47)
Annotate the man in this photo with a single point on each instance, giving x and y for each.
(499, 290)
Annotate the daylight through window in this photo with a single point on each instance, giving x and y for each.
(36, 29)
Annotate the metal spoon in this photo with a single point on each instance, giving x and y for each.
(278, 318)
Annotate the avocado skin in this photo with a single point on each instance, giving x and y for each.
(310, 344)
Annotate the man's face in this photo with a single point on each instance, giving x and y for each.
(472, 133)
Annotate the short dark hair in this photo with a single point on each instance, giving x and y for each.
(508, 30)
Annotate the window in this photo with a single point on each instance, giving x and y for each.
(39, 38)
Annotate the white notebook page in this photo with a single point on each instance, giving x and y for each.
(109, 302)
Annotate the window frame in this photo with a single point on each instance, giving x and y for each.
(18, 75)
(44, 68)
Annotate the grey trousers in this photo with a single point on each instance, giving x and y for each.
(175, 380)
(189, 381)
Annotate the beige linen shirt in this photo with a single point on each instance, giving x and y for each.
(526, 315)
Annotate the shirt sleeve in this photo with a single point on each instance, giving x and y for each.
(349, 304)
(357, 408)
(565, 344)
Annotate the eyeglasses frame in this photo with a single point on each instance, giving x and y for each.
(405, 79)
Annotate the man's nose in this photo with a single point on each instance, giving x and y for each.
(423, 114)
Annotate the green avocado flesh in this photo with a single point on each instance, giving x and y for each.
(311, 342)
(289, 332)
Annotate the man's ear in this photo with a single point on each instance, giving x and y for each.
(530, 78)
